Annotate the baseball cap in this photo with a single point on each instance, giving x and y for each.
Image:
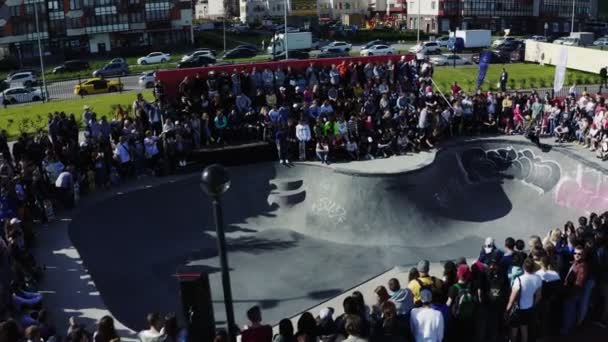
(14, 220)
(426, 296)
(423, 266)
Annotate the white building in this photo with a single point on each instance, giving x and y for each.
(255, 10)
(336, 8)
(429, 16)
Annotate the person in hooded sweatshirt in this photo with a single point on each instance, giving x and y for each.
(401, 297)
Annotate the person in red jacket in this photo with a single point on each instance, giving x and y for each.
(256, 331)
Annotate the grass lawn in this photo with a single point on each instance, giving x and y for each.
(523, 76)
(31, 117)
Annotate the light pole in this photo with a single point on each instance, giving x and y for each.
(43, 90)
(224, 28)
(285, 38)
(418, 23)
(192, 23)
(573, 10)
(546, 28)
(215, 181)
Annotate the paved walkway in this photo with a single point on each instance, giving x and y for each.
(69, 291)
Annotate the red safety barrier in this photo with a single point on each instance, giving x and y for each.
(172, 78)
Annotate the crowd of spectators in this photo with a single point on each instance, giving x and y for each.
(348, 111)
(539, 290)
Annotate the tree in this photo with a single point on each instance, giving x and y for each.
(230, 10)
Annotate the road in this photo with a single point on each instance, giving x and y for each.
(65, 89)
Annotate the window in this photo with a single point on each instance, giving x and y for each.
(158, 10)
(432, 4)
(15, 11)
(74, 23)
(75, 4)
(136, 17)
(54, 5)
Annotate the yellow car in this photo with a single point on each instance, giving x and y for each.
(97, 86)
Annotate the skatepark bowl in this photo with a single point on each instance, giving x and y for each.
(300, 235)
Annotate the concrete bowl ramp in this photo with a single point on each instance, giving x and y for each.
(299, 235)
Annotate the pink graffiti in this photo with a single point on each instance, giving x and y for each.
(586, 190)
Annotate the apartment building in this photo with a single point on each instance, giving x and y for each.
(76, 27)
(519, 16)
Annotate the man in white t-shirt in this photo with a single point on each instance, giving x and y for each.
(526, 292)
(426, 323)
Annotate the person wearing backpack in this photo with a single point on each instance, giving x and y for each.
(494, 295)
(462, 304)
(424, 281)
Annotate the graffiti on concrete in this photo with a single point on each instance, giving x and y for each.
(483, 165)
(326, 207)
(585, 189)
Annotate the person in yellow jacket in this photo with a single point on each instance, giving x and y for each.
(424, 281)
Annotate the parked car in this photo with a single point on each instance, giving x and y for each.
(119, 60)
(239, 53)
(498, 57)
(146, 79)
(511, 45)
(20, 95)
(153, 58)
(450, 59)
(332, 53)
(238, 28)
(443, 41)
(428, 48)
(570, 41)
(295, 54)
(112, 69)
(71, 66)
(197, 61)
(344, 46)
(539, 39)
(378, 50)
(518, 55)
(374, 42)
(601, 42)
(502, 40)
(247, 46)
(560, 40)
(97, 86)
(201, 52)
(317, 44)
(281, 29)
(33, 71)
(25, 79)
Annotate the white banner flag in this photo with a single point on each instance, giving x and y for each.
(560, 69)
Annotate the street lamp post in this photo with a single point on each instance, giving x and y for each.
(418, 23)
(215, 182)
(286, 38)
(44, 91)
(573, 10)
(546, 28)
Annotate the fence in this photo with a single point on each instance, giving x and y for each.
(172, 78)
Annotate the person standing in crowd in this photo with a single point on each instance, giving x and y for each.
(256, 331)
(574, 286)
(526, 293)
(504, 78)
(426, 324)
(303, 135)
(153, 333)
(424, 281)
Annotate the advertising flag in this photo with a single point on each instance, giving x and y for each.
(484, 62)
(560, 69)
